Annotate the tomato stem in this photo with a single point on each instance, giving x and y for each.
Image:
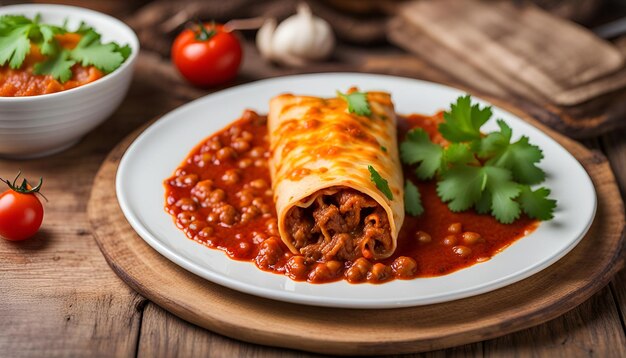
(202, 34)
(25, 187)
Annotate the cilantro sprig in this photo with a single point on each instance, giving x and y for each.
(490, 173)
(412, 199)
(380, 182)
(18, 32)
(357, 103)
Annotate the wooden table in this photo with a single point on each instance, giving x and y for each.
(58, 297)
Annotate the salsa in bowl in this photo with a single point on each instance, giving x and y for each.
(76, 72)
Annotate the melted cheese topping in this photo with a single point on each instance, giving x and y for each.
(316, 144)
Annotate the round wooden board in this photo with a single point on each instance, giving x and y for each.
(535, 300)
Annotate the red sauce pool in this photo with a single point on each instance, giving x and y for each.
(220, 196)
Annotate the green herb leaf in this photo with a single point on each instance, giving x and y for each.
(48, 45)
(125, 50)
(417, 148)
(483, 205)
(14, 46)
(381, 183)
(458, 154)
(18, 32)
(357, 103)
(10, 22)
(520, 157)
(536, 203)
(90, 51)
(59, 67)
(463, 121)
(494, 142)
(503, 191)
(462, 187)
(487, 188)
(82, 29)
(412, 199)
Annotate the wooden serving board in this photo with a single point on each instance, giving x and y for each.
(535, 300)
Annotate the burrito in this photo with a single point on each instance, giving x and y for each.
(336, 176)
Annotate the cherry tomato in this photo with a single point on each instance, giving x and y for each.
(21, 212)
(207, 55)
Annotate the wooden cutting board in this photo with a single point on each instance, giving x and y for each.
(537, 299)
(517, 51)
(518, 44)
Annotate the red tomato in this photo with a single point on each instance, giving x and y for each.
(21, 212)
(20, 215)
(207, 56)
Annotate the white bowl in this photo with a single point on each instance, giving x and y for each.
(36, 126)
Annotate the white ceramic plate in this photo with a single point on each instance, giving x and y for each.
(159, 150)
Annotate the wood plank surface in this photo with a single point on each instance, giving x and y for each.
(46, 311)
(403, 33)
(615, 146)
(503, 39)
(57, 295)
(588, 330)
(165, 335)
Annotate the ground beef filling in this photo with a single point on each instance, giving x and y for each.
(342, 226)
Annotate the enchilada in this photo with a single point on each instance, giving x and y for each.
(323, 160)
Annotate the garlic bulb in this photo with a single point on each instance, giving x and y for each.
(298, 40)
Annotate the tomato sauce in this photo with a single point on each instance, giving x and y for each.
(22, 82)
(221, 197)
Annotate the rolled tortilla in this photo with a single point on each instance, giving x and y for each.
(327, 204)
